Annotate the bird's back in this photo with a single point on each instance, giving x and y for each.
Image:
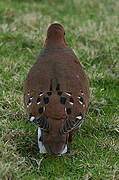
(56, 71)
(56, 92)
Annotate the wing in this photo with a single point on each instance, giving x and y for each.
(57, 87)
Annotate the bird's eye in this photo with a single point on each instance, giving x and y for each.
(64, 33)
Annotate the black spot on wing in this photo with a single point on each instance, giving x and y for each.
(29, 102)
(40, 110)
(59, 93)
(49, 93)
(71, 100)
(40, 93)
(80, 99)
(63, 100)
(81, 91)
(38, 100)
(58, 87)
(46, 100)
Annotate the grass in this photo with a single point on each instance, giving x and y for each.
(92, 29)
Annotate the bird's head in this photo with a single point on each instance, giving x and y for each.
(55, 35)
(55, 143)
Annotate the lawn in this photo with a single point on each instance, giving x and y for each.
(92, 30)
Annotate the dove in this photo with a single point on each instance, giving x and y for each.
(56, 93)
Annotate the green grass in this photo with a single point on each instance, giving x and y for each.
(92, 30)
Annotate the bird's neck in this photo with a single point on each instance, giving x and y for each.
(51, 42)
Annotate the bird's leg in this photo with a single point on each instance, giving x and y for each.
(40, 144)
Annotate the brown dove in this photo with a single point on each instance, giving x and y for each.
(56, 93)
